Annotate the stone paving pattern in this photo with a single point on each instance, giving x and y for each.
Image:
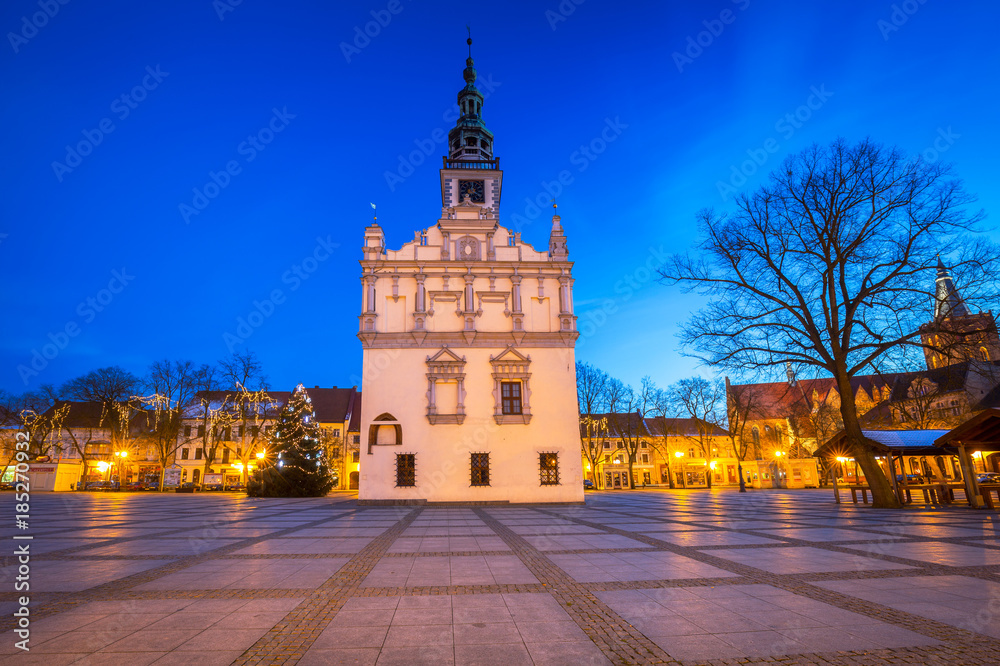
(692, 577)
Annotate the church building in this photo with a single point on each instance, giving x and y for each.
(468, 339)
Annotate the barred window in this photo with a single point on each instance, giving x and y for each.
(548, 468)
(480, 469)
(406, 469)
(510, 397)
(355, 456)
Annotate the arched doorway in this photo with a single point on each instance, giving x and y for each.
(353, 482)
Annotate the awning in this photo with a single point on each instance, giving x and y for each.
(897, 442)
(981, 432)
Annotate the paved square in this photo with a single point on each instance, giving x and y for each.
(629, 577)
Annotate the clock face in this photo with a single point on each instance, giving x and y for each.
(474, 188)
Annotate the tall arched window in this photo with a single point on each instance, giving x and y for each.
(985, 353)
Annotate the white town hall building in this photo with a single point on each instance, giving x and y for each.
(468, 336)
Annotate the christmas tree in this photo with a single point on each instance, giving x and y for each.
(295, 465)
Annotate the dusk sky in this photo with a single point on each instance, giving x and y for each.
(115, 113)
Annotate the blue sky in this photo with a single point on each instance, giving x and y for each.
(293, 133)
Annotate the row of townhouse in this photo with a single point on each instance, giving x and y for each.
(681, 453)
(222, 433)
(225, 433)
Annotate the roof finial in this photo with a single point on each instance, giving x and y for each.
(469, 40)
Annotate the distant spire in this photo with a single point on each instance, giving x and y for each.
(947, 301)
(790, 373)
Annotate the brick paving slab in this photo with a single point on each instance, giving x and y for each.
(824, 562)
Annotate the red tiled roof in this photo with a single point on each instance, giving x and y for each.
(633, 425)
(355, 425)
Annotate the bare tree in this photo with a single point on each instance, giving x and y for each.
(663, 408)
(627, 410)
(104, 385)
(831, 264)
(590, 393)
(703, 402)
(242, 370)
(173, 388)
(29, 413)
(740, 408)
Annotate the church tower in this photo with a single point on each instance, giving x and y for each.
(956, 335)
(468, 338)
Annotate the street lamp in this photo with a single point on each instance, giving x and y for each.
(120, 460)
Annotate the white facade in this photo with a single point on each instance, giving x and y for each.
(468, 339)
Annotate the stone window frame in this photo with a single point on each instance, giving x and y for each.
(548, 475)
(445, 366)
(384, 419)
(511, 366)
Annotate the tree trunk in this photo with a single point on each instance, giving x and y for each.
(882, 495)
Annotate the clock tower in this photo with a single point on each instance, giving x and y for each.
(468, 338)
(469, 169)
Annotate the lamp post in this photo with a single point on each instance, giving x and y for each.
(261, 457)
(121, 456)
(104, 466)
(777, 466)
(679, 455)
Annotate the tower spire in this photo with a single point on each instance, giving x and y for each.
(469, 140)
(947, 301)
